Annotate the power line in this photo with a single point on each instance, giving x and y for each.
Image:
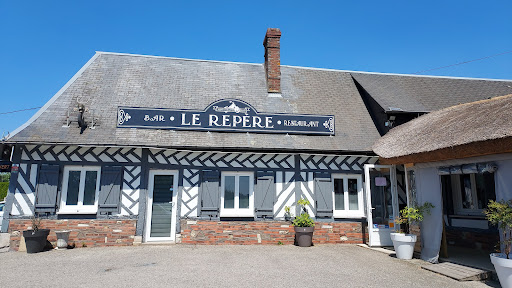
(456, 64)
(19, 110)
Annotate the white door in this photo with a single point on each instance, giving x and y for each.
(382, 205)
(161, 206)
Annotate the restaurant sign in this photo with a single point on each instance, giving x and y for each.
(225, 115)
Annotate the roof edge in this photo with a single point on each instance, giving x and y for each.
(368, 153)
(55, 97)
(397, 74)
(302, 67)
(176, 58)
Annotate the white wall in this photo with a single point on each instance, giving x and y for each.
(428, 184)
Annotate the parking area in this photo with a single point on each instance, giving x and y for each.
(218, 266)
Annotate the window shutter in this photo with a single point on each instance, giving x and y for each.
(210, 193)
(264, 194)
(323, 195)
(46, 191)
(110, 189)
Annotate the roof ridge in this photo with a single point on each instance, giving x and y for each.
(495, 98)
(398, 74)
(302, 67)
(175, 58)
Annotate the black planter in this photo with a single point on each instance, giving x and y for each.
(36, 240)
(304, 236)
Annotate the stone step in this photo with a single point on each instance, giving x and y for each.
(4, 242)
(458, 272)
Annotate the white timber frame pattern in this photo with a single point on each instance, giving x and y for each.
(131, 190)
(221, 159)
(190, 193)
(34, 155)
(293, 172)
(287, 176)
(24, 195)
(80, 154)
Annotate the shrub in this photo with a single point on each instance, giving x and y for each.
(500, 213)
(303, 220)
(4, 186)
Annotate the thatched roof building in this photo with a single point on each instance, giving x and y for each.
(473, 129)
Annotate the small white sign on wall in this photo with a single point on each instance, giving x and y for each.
(381, 181)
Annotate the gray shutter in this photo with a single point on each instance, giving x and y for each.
(46, 191)
(110, 189)
(323, 195)
(264, 194)
(210, 193)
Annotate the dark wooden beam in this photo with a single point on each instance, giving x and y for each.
(481, 148)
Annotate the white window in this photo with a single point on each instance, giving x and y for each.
(471, 192)
(237, 194)
(80, 190)
(348, 196)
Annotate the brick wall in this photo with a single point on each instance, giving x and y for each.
(84, 233)
(266, 232)
(485, 240)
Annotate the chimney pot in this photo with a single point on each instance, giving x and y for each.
(273, 60)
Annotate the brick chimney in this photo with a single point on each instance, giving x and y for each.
(273, 60)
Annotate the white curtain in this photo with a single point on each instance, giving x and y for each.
(428, 185)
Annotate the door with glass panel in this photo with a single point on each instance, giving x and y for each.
(381, 197)
(161, 208)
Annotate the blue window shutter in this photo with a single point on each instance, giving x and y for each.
(264, 194)
(323, 195)
(110, 189)
(46, 190)
(210, 194)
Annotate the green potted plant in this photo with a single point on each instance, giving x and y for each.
(403, 242)
(36, 238)
(287, 214)
(304, 226)
(500, 213)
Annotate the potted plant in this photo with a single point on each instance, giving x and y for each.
(500, 213)
(303, 226)
(403, 242)
(287, 214)
(36, 238)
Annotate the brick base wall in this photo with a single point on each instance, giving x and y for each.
(416, 230)
(485, 240)
(84, 233)
(266, 232)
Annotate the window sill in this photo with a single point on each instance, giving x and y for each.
(475, 217)
(236, 215)
(68, 212)
(358, 215)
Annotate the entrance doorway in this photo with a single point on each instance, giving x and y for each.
(161, 206)
(382, 203)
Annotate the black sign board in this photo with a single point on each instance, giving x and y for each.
(225, 115)
(5, 166)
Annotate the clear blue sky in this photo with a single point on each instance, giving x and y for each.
(44, 43)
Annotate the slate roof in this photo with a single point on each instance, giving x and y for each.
(453, 126)
(110, 80)
(412, 93)
(113, 80)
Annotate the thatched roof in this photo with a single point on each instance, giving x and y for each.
(448, 129)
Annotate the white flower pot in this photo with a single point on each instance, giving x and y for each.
(503, 267)
(404, 245)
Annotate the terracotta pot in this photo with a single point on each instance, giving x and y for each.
(304, 236)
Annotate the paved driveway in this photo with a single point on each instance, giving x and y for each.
(218, 266)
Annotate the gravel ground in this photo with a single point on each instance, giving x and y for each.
(218, 266)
